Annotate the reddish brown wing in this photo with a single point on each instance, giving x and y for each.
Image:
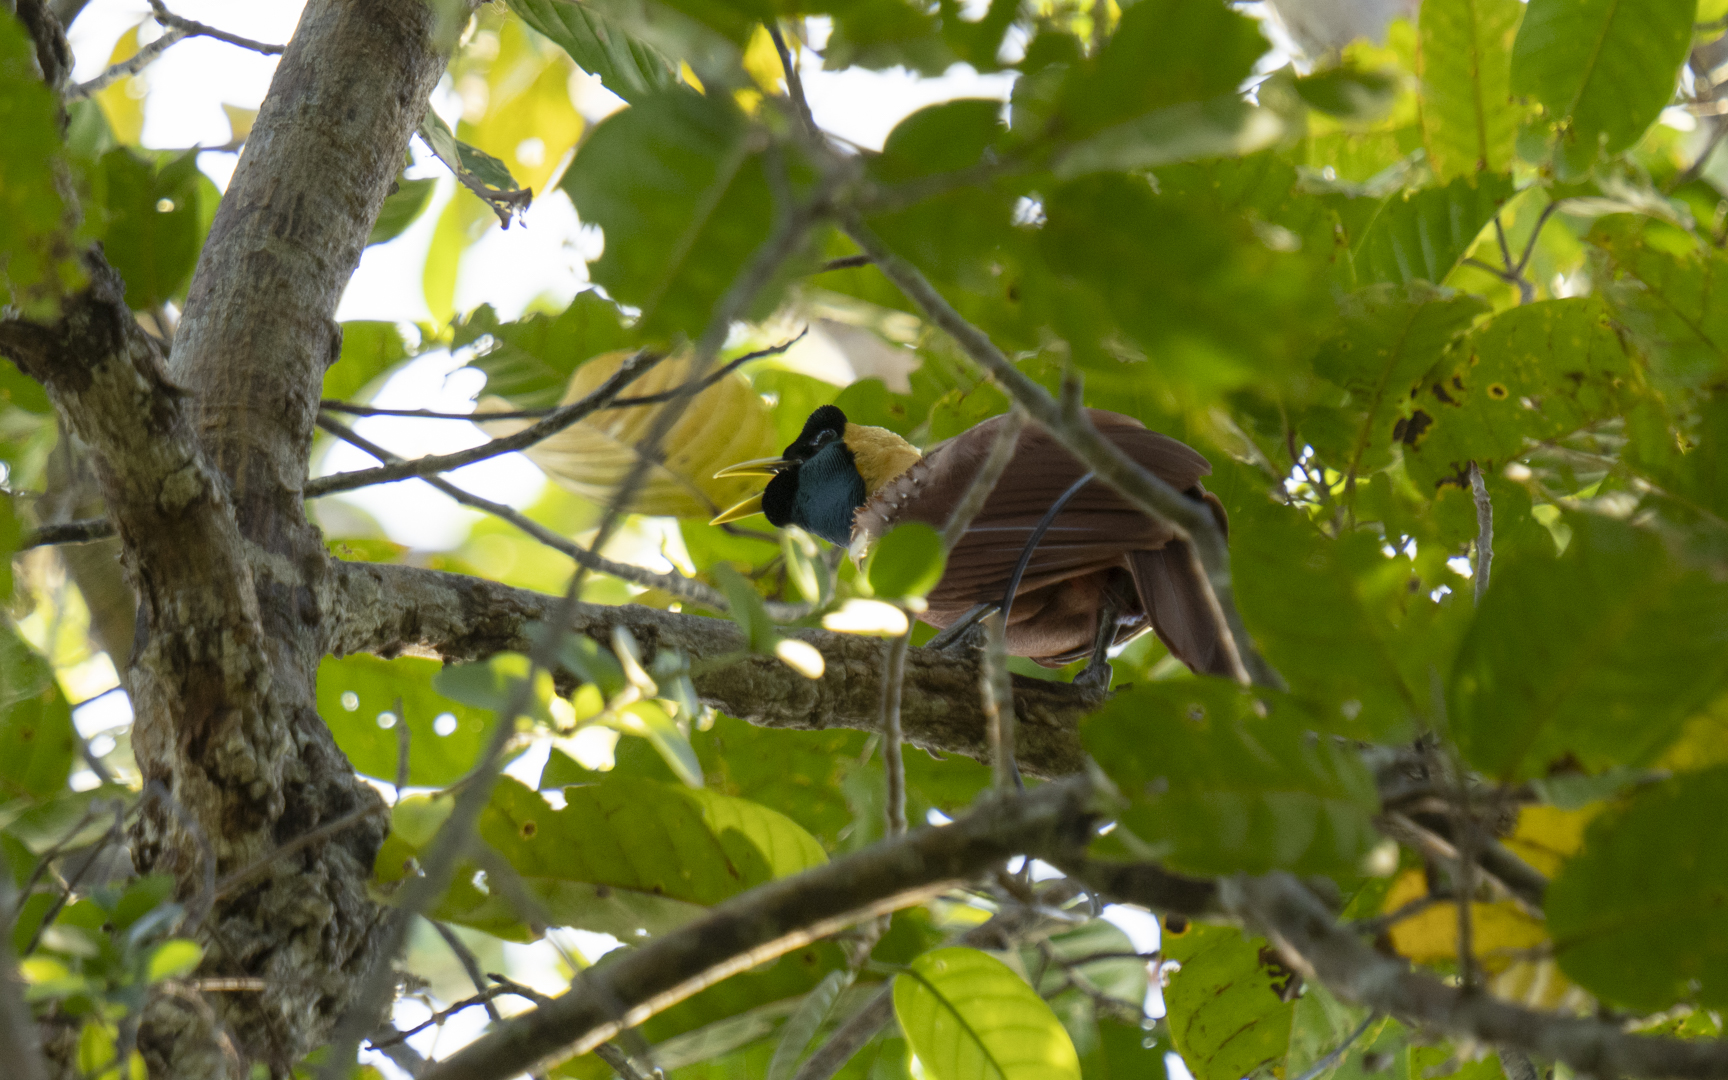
(1056, 604)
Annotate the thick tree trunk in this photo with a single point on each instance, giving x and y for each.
(201, 463)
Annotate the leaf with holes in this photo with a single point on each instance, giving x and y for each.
(1226, 1007)
(1662, 285)
(445, 737)
(1535, 372)
(1217, 788)
(1391, 337)
(1597, 657)
(969, 1017)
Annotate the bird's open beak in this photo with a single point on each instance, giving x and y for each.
(752, 505)
(768, 466)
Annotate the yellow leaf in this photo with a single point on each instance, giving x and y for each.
(529, 122)
(122, 101)
(1538, 984)
(1703, 741)
(762, 61)
(726, 424)
(1499, 930)
(464, 220)
(240, 121)
(1546, 836)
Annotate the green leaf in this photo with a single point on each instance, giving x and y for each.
(1224, 126)
(747, 609)
(152, 236)
(37, 742)
(907, 562)
(1637, 914)
(401, 208)
(1604, 69)
(1662, 285)
(1216, 788)
(37, 259)
(1425, 234)
(669, 740)
(1349, 93)
(1464, 62)
(677, 188)
(619, 849)
(1534, 372)
(1225, 1006)
(802, 1025)
(173, 959)
(969, 1017)
(1391, 337)
(1690, 465)
(494, 684)
(445, 737)
(628, 67)
(1162, 53)
(369, 349)
(529, 362)
(1598, 656)
(460, 157)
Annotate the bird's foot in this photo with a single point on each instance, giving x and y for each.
(1095, 680)
(965, 634)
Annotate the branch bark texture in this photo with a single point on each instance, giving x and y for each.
(389, 609)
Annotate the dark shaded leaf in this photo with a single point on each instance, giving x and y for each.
(1637, 915)
(1216, 788)
(152, 235)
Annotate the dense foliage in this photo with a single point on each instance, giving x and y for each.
(1485, 247)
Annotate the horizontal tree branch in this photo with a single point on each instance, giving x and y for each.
(388, 609)
(84, 531)
(772, 920)
(1311, 940)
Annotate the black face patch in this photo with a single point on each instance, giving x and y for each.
(826, 425)
(780, 496)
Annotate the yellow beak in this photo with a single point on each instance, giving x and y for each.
(752, 505)
(768, 466)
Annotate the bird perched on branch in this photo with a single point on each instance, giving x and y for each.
(1097, 573)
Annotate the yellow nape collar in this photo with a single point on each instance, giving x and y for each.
(879, 454)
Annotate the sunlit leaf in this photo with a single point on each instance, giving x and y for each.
(1603, 69)
(629, 68)
(401, 208)
(725, 424)
(369, 349)
(908, 561)
(969, 1017)
(1226, 1007)
(1663, 286)
(358, 698)
(1463, 58)
(173, 959)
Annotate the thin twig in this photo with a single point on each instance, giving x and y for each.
(559, 419)
(998, 697)
(193, 27)
(484, 997)
(849, 1037)
(1381, 923)
(794, 84)
(1340, 1050)
(132, 65)
(978, 491)
(685, 390)
(84, 531)
(470, 964)
(893, 759)
(686, 589)
(845, 262)
(111, 836)
(1536, 234)
(1484, 530)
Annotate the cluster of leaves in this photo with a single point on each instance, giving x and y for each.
(1473, 245)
